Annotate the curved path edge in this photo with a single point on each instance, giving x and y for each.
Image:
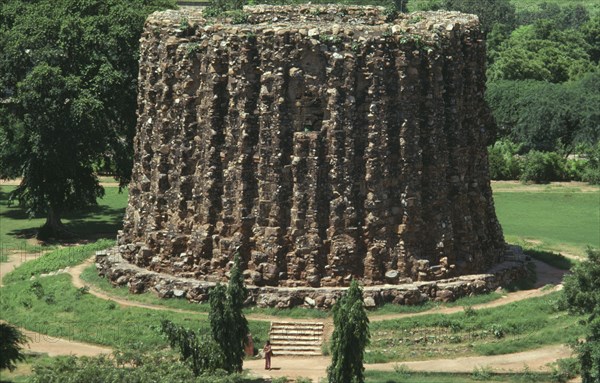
(315, 367)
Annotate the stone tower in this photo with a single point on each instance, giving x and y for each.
(321, 143)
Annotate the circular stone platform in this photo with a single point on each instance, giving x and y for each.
(122, 273)
(322, 143)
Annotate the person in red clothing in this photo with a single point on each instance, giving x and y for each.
(268, 353)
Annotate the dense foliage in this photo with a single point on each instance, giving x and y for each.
(228, 324)
(543, 81)
(68, 71)
(582, 296)
(11, 346)
(349, 339)
(224, 348)
(128, 367)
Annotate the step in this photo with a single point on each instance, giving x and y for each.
(291, 338)
(294, 348)
(291, 324)
(299, 353)
(295, 338)
(297, 329)
(296, 333)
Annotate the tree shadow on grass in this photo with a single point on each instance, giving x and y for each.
(92, 223)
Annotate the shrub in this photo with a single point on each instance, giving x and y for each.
(591, 173)
(11, 344)
(543, 167)
(224, 349)
(575, 168)
(202, 354)
(581, 295)
(503, 160)
(130, 367)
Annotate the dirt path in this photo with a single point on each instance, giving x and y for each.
(43, 343)
(546, 275)
(315, 367)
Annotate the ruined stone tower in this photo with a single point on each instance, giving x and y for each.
(321, 143)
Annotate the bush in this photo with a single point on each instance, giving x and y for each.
(135, 368)
(504, 164)
(581, 295)
(543, 167)
(11, 344)
(201, 353)
(575, 168)
(591, 173)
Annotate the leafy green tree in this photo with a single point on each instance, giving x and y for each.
(490, 12)
(236, 296)
(581, 295)
(200, 352)
(349, 339)
(541, 52)
(11, 345)
(229, 329)
(591, 34)
(565, 17)
(545, 116)
(228, 324)
(68, 71)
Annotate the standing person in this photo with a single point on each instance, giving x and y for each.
(268, 353)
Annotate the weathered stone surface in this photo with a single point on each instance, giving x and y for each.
(322, 143)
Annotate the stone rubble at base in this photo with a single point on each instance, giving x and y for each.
(122, 273)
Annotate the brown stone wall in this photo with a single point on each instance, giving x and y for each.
(321, 143)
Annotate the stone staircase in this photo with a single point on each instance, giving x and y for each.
(296, 338)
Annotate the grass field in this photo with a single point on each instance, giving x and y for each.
(53, 306)
(550, 217)
(514, 327)
(101, 221)
(553, 218)
(404, 376)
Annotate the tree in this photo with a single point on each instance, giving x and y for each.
(229, 329)
(349, 339)
(11, 344)
(200, 352)
(545, 116)
(490, 12)
(581, 295)
(228, 324)
(68, 71)
(541, 52)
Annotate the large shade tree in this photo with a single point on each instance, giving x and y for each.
(68, 71)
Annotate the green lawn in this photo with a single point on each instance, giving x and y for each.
(554, 220)
(477, 376)
(101, 221)
(53, 306)
(514, 327)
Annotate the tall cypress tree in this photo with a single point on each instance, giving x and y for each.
(350, 337)
(236, 295)
(228, 324)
